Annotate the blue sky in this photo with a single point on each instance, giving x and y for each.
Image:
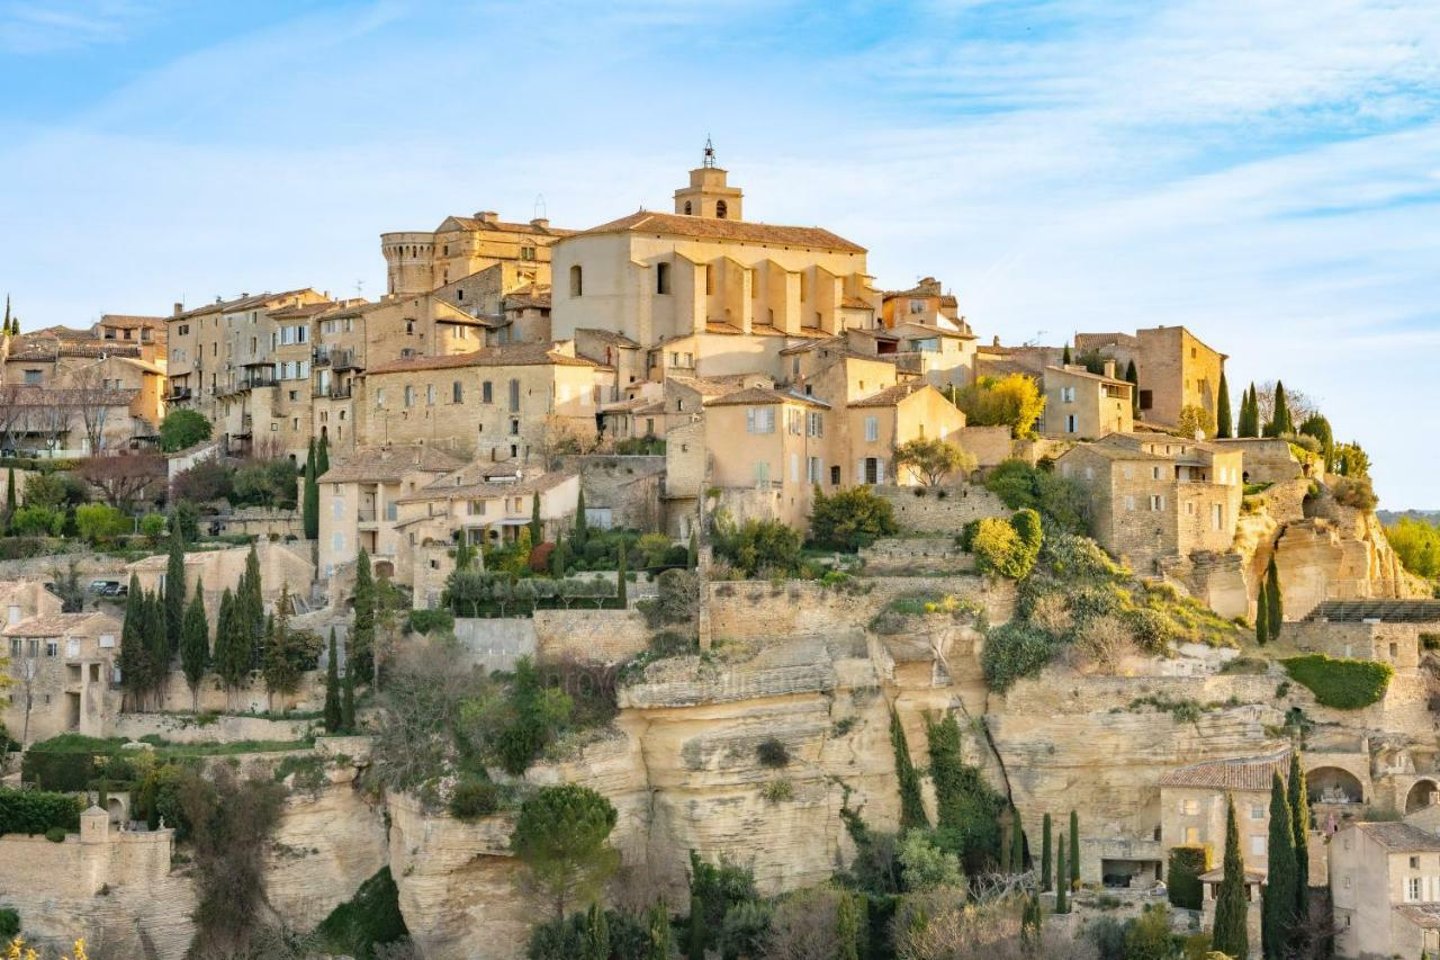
(1265, 172)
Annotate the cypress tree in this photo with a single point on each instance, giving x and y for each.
(1062, 882)
(1223, 426)
(1249, 414)
(1281, 424)
(1300, 820)
(582, 528)
(695, 942)
(1132, 377)
(347, 701)
(310, 498)
(254, 596)
(1230, 935)
(1065, 360)
(621, 589)
(175, 594)
(1277, 918)
(132, 644)
(195, 644)
(333, 721)
(1074, 850)
(559, 557)
(1262, 616)
(232, 642)
(1046, 861)
(10, 501)
(362, 637)
(912, 808)
(157, 646)
(1017, 843)
(322, 456)
(658, 947)
(597, 934)
(1273, 599)
(850, 926)
(537, 528)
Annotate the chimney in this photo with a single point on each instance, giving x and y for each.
(1110, 369)
(540, 223)
(179, 309)
(487, 216)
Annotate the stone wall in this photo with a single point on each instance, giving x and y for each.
(597, 636)
(912, 555)
(990, 446)
(495, 643)
(259, 522)
(1267, 459)
(227, 728)
(629, 487)
(249, 698)
(942, 510)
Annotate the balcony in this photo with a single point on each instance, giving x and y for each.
(366, 514)
(178, 395)
(344, 360)
(332, 392)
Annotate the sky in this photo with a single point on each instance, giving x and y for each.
(1264, 172)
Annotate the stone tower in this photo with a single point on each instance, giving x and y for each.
(708, 195)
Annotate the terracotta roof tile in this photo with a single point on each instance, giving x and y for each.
(479, 481)
(740, 231)
(892, 395)
(505, 355)
(759, 396)
(1401, 837)
(1248, 773)
(389, 464)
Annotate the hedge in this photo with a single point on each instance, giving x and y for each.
(1339, 683)
(71, 763)
(1182, 876)
(37, 811)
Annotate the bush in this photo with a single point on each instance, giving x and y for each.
(1338, 683)
(207, 481)
(677, 600)
(9, 924)
(38, 811)
(182, 429)
(431, 621)
(1355, 492)
(100, 521)
(1013, 651)
(55, 834)
(777, 791)
(152, 525)
(850, 519)
(38, 521)
(1182, 876)
(473, 799)
(1007, 549)
(1062, 502)
(772, 753)
(761, 546)
(370, 918)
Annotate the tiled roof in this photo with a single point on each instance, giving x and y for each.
(303, 312)
(739, 231)
(890, 396)
(479, 481)
(1391, 611)
(1401, 837)
(506, 226)
(505, 355)
(64, 333)
(30, 396)
(389, 464)
(1423, 915)
(721, 327)
(1249, 773)
(1087, 375)
(611, 337)
(855, 303)
(57, 625)
(125, 321)
(759, 396)
(244, 302)
(709, 386)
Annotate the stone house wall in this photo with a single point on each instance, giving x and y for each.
(1397, 644)
(990, 446)
(597, 636)
(923, 510)
(629, 487)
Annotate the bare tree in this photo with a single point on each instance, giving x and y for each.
(48, 416)
(125, 480)
(92, 398)
(12, 415)
(1300, 404)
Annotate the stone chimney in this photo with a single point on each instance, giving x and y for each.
(540, 223)
(487, 216)
(179, 309)
(1110, 369)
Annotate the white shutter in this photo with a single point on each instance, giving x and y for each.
(794, 468)
(879, 470)
(860, 470)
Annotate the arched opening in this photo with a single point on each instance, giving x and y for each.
(1334, 785)
(577, 281)
(1423, 793)
(687, 208)
(721, 209)
(662, 278)
(384, 569)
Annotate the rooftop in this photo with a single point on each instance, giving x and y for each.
(389, 464)
(890, 396)
(1391, 611)
(1400, 837)
(484, 479)
(760, 396)
(1249, 773)
(739, 231)
(57, 625)
(504, 355)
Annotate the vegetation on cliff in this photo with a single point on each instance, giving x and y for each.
(1340, 683)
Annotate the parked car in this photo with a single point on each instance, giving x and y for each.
(108, 588)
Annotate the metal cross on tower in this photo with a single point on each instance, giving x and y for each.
(709, 153)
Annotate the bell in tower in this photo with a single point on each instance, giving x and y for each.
(708, 195)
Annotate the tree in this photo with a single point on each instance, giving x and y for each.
(183, 429)
(1132, 377)
(100, 522)
(92, 399)
(561, 838)
(766, 547)
(1230, 935)
(1074, 858)
(333, 723)
(582, 528)
(1195, 421)
(621, 587)
(281, 669)
(1062, 879)
(1249, 414)
(692, 551)
(1300, 820)
(133, 659)
(233, 642)
(362, 636)
(1274, 600)
(659, 929)
(912, 807)
(537, 527)
(1224, 427)
(310, 500)
(1280, 423)
(1046, 856)
(1065, 359)
(1318, 427)
(932, 459)
(322, 456)
(1262, 615)
(175, 594)
(1014, 401)
(124, 481)
(1277, 918)
(851, 519)
(347, 701)
(195, 644)
(10, 492)
(695, 937)
(1351, 461)
(1017, 843)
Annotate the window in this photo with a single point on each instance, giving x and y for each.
(33, 378)
(835, 476)
(662, 278)
(514, 396)
(1157, 502)
(1154, 473)
(688, 208)
(457, 392)
(476, 508)
(794, 468)
(1067, 394)
(1414, 863)
(872, 429)
(760, 420)
(107, 640)
(1257, 845)
(577, 281)
(514, 427)
(409, 396)
(1257, 811)
(762, 472)
(793, 420)
(527, 253)
(52, 648)
(917, 306)
(430, 395)
(380, 398)
(814, 425)
(709, 279)
(814, 470)
(1192, 835)
(1071, 423)
(487, 393)
(1190, 808)
(1217, 516)
(1413, 887)
(460, 295)
(721, 210)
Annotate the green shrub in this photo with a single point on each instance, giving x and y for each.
(55, 834)
(850, 519)
(38, 521)
(772, 753)
(1013, 651)
(778, 791)
(182, 429)
(1339, 683)
(1356, 492)
(368, 919)
(473, 799)
(439, 620)
(9, 924)
(100, 521)
(766, 547)
(38, 811)
(1182, 877)
(1001, 549)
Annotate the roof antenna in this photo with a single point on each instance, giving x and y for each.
(709, 161)
(540, 211)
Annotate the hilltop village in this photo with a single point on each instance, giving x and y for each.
(668, 588)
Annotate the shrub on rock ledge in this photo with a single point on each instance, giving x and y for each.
(1341, 684)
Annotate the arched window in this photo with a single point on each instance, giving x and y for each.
(720, 209)
(662, 278)
(687, 208)
(577, 281)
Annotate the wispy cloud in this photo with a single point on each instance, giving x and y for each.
(29, 27)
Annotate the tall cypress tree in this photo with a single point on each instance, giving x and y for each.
(132, 645)
(1223, 426)
(1275, 603)
(332, 687)
(347, 701)
(1062, 879)
(195, 644)
(322, 456)
(1277, 918)
(1065, 360)
(362, 636)
(1230, 934)
(233, 642)
(537, 527)
(597, 934)
(1074, 850)
(310, 498)
(175, 594)
(10, 497)
(1262, 616)
(1132, 377)
(695, 941)
(157, 646)
(1281, 424)
(1249, 414)
(912, 808)
(1295, 794)
(1017, 843)
(621, 587)
(1046, 855)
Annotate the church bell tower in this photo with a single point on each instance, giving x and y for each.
(708, 195)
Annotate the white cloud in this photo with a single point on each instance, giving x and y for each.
(49, 26)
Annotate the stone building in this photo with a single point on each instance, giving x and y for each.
(1385, 887)
(1193, 802)
(768, 450)
(505, 402)
(1175, 369)
(455, 256)
(1153, 495)
(281, 566)
(883, 421)
(1080, 405)
(1396, 632)
(925, 303)
(63, 665)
